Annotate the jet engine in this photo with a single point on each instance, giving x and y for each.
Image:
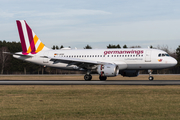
(129, 73)
(108, 70)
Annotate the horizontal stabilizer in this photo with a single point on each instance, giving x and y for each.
(29, 55)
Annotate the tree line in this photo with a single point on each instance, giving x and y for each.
(10, 65)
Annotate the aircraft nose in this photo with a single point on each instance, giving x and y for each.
(173, 61)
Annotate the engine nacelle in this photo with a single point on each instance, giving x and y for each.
(108, 70)
(129, 73)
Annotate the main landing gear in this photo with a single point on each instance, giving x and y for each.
(150, 77)
(103, 78)
(87, 77)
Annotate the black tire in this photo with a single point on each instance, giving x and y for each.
(151, 78)
(103, 78)
(87, 77)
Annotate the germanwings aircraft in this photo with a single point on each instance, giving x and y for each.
(106, 62)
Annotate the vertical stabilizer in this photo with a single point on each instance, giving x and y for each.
(30, 43)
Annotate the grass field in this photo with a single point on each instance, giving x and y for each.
(89, 102)
(81, 77)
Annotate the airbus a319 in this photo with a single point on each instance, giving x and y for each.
(107, 62)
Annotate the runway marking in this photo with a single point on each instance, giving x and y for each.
(80, 82)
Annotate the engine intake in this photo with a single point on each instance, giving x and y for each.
(108, 70)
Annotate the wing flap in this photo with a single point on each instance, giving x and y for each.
(76, 61)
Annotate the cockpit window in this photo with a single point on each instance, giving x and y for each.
(162, 55)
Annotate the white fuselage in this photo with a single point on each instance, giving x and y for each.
(136, 58)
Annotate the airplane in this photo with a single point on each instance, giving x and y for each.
(106, 62)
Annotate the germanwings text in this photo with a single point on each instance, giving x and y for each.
(137, 52)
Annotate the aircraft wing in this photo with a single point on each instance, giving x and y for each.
(75, 61)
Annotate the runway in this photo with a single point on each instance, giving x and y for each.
(80, 82)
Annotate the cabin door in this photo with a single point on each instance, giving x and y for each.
(148, 56)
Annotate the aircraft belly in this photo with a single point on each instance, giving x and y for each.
(148, 66)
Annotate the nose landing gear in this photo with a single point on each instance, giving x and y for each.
(150, 77)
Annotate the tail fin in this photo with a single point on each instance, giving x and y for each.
(30, 43)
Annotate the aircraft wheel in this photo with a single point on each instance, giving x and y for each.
(87, 77)
(103, 78)
(151, 78)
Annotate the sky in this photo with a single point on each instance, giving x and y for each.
(98, 23)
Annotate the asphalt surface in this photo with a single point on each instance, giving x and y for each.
(80, 82)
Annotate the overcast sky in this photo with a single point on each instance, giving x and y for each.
(98, 23)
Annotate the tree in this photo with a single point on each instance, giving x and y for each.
(87, 47)
(113, 46)
(137, 46)
(61, 47)
(53, 47)
(178, 54)
(125, 46)
(57, 48)
(3, 58)
(164, 48)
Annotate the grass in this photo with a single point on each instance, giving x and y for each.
(89, 102)
(81, 77)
